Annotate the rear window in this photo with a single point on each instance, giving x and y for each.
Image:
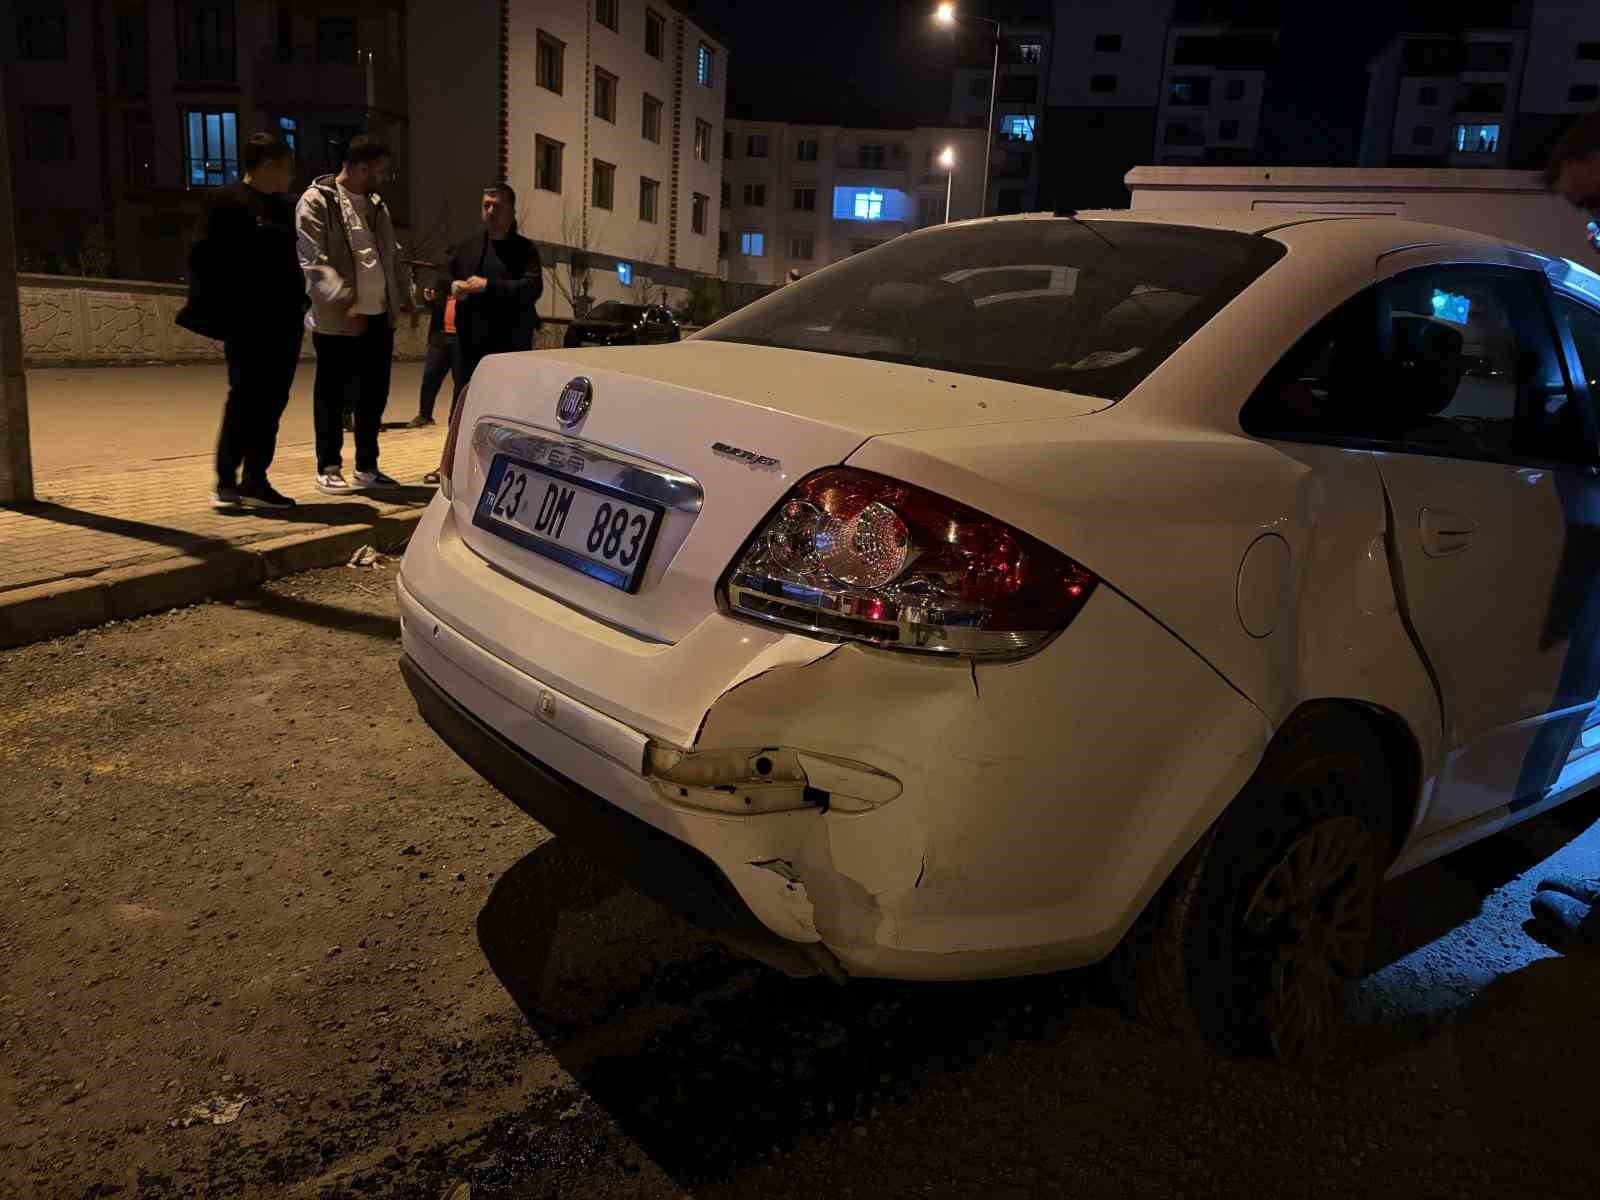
(1083, 306)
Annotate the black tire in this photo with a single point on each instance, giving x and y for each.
(1254, 942)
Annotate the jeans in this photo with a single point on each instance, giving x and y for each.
(359, 367)
(261, 368)
(434, 369)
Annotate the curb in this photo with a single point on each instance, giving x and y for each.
(63, 606)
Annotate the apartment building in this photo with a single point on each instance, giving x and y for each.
(1019, 96)
(123, 115)
(798, 197)
(607, 118)
(1110, 85)
(1484, 97)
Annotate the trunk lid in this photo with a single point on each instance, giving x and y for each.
(712, 434)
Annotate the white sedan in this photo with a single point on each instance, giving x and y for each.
(1033, 590)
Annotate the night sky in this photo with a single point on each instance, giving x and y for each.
(888, 64)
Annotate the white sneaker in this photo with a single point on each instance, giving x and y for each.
(366, 480)
(331, 482)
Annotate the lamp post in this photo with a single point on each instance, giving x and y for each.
(947, 160)
(946, 14)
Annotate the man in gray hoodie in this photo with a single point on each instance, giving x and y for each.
(358, 287)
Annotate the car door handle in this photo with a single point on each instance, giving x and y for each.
(1445, 533)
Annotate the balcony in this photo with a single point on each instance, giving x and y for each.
(872, 158)
(299, 82)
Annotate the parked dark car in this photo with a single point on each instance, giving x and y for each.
(617, 324)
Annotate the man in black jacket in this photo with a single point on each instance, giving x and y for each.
(496, 279)
(250, 287)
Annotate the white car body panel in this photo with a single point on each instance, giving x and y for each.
(731, 394)
(1039, 803)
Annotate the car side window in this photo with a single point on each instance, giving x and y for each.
(1583, 323)
(1457, 361)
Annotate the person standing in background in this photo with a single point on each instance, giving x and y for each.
(358, 286)
(496, 279)
(441, 350)
(247, 289)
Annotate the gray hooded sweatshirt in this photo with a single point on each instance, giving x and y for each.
(328, 258)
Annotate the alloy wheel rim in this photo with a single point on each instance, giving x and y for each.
(1314, 912)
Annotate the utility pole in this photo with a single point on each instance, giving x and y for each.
(16, 457)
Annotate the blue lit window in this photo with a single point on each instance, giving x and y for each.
(1017, 127)
(705, 67)
(1448, 306)
(753, 245)
(289, 130)
(1477, 139)
(212, 147)
(870, 204)
(624, 273)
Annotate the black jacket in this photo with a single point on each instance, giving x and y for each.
(504, 316)
(244, 274)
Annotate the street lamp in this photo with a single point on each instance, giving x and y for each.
(947, 160)
(946, 14)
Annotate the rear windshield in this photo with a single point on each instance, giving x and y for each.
(1083, 306)
(613, 310)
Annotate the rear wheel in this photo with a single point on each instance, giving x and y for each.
(1255, 942)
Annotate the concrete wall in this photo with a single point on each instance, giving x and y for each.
(100, 322)
(1505, 204)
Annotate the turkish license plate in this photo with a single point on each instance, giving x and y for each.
(602, 531)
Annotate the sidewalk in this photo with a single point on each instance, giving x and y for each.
(104, 545)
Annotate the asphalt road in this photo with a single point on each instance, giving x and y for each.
(100, 418)
(262, 935)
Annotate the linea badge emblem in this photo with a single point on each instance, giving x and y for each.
(572, 406)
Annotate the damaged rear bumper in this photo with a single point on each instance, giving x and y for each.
(653, 862)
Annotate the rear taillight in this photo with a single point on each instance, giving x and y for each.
(860, 556)
(448, 458)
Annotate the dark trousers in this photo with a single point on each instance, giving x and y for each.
(435, 367)
(463, 358)
(357, 367)
(261, 368)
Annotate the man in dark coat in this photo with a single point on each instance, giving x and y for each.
(496, 279)
(248, 290)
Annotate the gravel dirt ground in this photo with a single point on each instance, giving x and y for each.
(261, 934)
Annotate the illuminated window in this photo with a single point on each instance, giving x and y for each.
(1017, 127)
(211, 142)
(705, 67)
(752, 244)
(1477, 139)
(869, 206)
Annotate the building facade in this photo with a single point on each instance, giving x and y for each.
(1484, 97)
(1108, 85)
(798, 197)
(607, 118)
(124, 115)
(1019, 99)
